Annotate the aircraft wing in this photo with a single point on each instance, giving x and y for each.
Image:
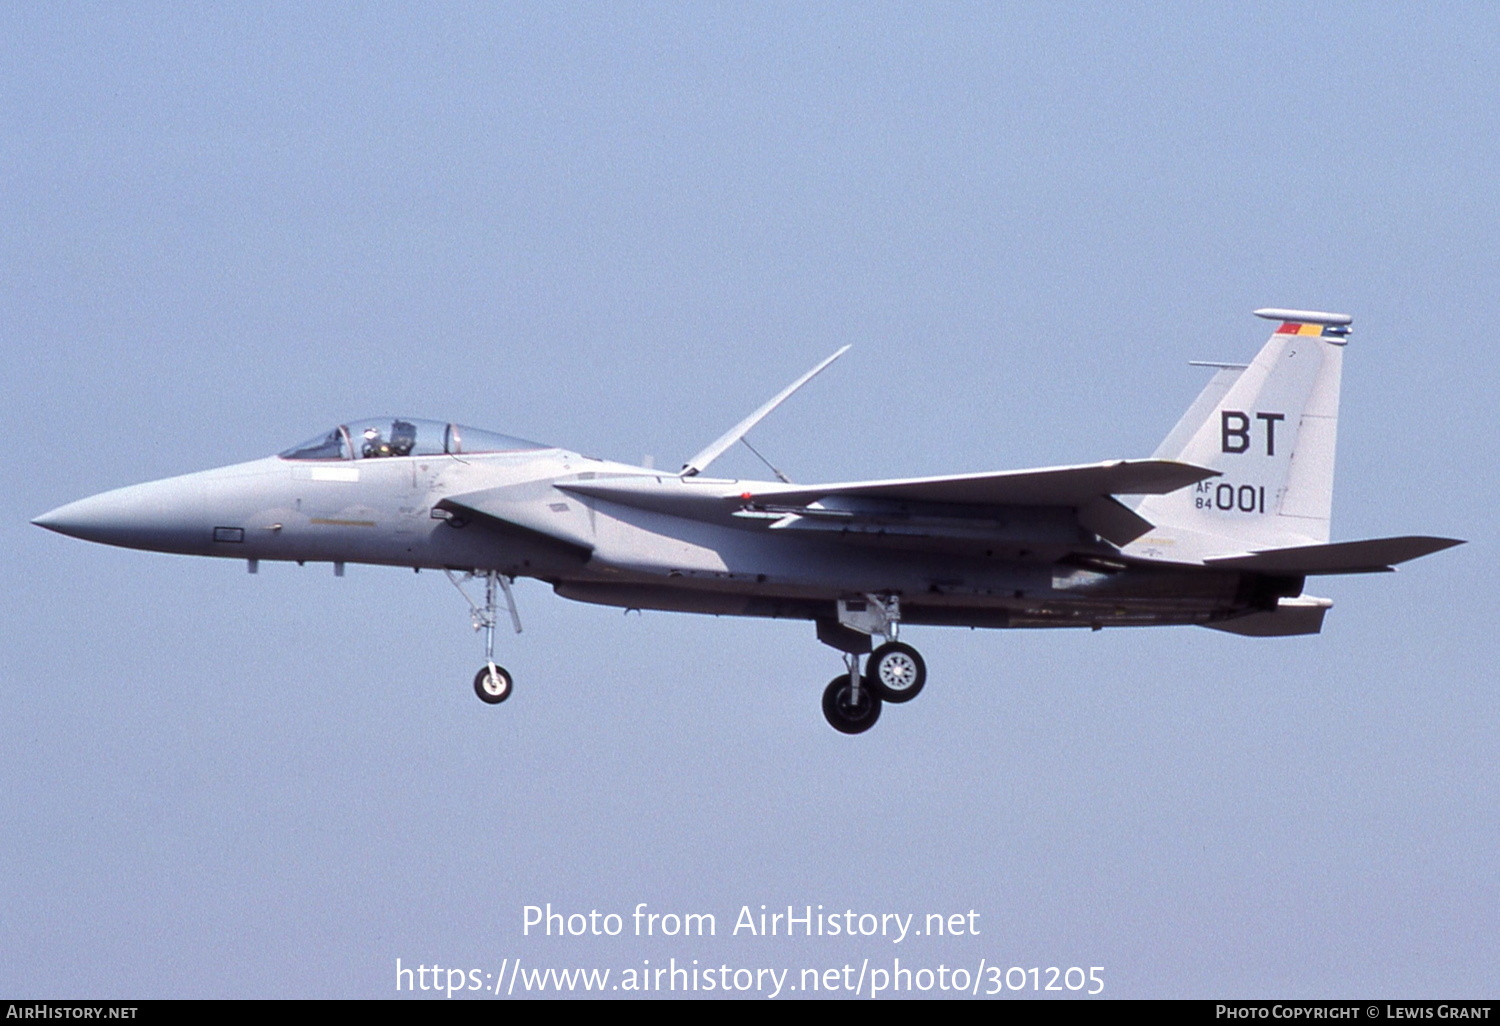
(952, 507)
(1046, 486)
(1372, 555)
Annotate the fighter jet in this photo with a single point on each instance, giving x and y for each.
(1220, 527)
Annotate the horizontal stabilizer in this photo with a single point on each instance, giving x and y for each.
(1048, 486)
(1358, 557)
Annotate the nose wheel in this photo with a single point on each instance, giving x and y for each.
(493, 684)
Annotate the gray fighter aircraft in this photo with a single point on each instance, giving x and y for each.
(1219, 528)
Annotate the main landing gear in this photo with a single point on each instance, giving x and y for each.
(493, 684)
(894, 673)
(849, 703)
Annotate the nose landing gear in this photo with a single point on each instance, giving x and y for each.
(493, 684)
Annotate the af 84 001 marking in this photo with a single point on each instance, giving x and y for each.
(1229, 498)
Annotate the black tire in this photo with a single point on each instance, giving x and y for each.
(896, 672)
(496, 691)
(843, 717)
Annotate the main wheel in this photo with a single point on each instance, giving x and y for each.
(845, 716)
(896, 672)
(493, 688)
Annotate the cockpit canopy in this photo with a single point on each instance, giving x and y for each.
(403, 436)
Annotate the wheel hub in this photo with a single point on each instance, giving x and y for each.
(898, 672)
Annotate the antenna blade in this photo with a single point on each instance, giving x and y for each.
(700, 462)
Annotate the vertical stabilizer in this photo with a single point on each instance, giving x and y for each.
(1270, 430)
(1225, 375)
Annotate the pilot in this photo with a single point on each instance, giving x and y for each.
(374, 445)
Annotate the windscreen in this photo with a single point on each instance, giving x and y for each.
(332, 446)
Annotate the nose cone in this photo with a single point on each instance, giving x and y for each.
(165, 516)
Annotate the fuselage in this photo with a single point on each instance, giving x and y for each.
(537, 520)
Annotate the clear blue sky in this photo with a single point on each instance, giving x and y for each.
(618, 228)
